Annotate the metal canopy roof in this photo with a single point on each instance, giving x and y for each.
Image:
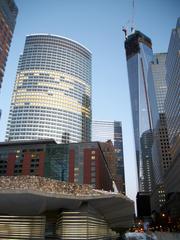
(117, 209)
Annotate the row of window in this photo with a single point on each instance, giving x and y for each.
(84, 75)
(51, 43)
(77, 67)
(55, 56)
(56, 113)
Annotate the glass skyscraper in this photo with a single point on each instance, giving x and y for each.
(172, 111)
(8, 14)
(139, 54)
(172, 102)
(52, 92)
(106, 130)
(158, 85)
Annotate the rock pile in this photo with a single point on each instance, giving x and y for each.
(46, 185)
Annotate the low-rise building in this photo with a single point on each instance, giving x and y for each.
(82, 163)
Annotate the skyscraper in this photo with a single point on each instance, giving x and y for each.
(172, 102)
(139, 54)
(8, 14)
(158, 88)
(106, 130)
(52, 93)
(172, 111)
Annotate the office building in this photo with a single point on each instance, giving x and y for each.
(158, 198)
(52, 92)
(103, 131)
(106, 130)
(8, 14)
(139, 54)
(146, 142)
(158, 88)
(172, 110)
(160, 149)
(172, 106)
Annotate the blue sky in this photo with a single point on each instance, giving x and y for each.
(97, 24)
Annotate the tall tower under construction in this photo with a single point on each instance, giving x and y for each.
(139, 54)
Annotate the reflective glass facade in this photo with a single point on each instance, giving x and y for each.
(8, 14)
(172, 111)
(105, 130)
(158, 88)
(139, 54)
(159, 74)
(52, 93)
(102, 131)
(57, 161)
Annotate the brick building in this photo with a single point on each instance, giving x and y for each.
(82, 163)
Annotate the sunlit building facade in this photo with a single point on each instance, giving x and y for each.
(8, 14)
(139, 54)
(52, 93)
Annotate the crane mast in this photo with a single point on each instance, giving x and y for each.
(131, 23)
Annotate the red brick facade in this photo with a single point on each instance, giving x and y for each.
(87, 166)
(11, 164)
(41, 164)
(26, 164)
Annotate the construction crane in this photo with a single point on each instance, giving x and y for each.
(132, 28)
(132, 19)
